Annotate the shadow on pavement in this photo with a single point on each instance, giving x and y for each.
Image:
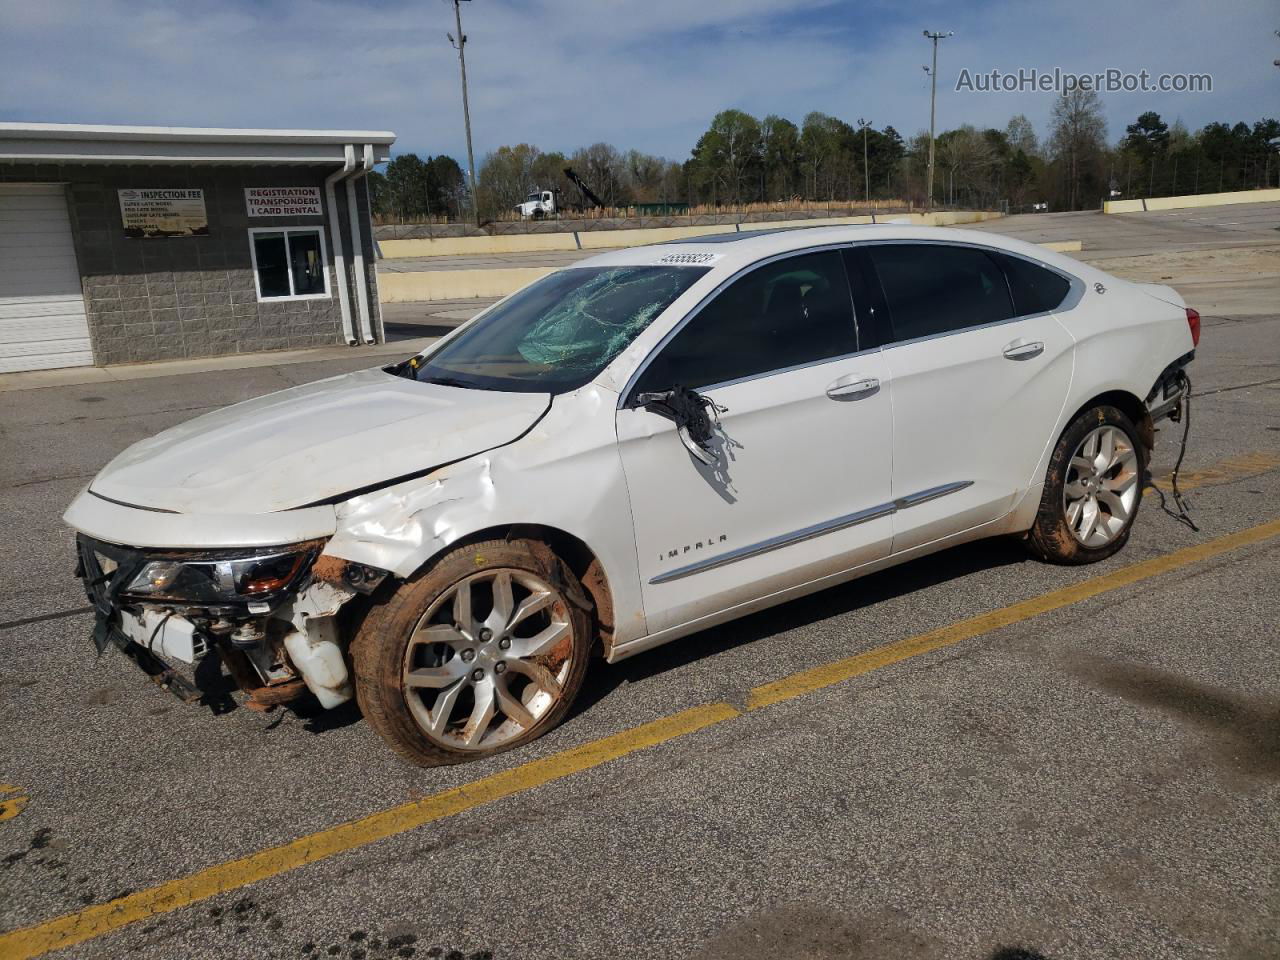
(846, 598)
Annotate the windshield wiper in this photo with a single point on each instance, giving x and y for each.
(449, 382)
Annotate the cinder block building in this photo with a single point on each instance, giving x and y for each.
(125, 244)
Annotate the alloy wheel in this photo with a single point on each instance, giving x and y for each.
(488, 659)
(1101, 488)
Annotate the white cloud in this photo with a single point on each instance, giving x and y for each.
(643, 73)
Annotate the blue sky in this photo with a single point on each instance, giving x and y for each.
(648, 74)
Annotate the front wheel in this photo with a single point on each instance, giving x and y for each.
(482, 653)
(1092, 490)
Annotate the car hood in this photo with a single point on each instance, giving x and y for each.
(313, 443)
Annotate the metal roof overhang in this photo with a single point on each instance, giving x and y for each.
(83, 143)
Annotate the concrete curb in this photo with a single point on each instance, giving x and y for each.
(1140, 204)
(432, 285)
(610, 239)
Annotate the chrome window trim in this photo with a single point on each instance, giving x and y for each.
(1075, 294)
(810, 532)
(781, 370)
(1075, 291)
(625, 395)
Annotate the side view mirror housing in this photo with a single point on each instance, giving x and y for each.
(692, 414)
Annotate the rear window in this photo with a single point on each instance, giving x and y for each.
(1035, 289)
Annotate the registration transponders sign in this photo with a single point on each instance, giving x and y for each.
(282, 201)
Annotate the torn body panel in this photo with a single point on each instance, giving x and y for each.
(566, 474)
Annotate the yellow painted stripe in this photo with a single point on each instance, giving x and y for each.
(13, 800)
(827, 674)
(102, 918)
(1232, 468)
(94, 921)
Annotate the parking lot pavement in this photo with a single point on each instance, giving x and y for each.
(1090, 772)
(1225, 259)
(1136, 234)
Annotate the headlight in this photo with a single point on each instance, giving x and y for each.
(225, 578)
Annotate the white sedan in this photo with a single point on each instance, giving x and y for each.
(627, 451)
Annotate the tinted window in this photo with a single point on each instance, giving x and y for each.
(935, 288)
(558, 333)
(1035, 289)
(785, 313)
(306, 263)
(272, 258)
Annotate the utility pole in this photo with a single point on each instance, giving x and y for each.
(933, 101)
(460, 45)
(866, 171)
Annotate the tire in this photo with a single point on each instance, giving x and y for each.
(440, 695)
(1092, 489)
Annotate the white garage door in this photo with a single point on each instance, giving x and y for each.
(42, 321)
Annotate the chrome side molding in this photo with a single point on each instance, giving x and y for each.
(809, 533)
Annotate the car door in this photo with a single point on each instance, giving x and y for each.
(978, 382)
(799, 484)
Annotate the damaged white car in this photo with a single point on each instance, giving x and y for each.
(627, 451)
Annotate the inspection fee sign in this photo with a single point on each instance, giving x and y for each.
(282, 201)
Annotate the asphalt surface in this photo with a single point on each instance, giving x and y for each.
(1098, 781)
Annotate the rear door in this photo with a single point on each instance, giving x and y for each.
(979, 380)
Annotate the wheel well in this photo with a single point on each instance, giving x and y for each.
(577, 556)
(1131, 406)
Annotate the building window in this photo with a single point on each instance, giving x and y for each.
(289, 264)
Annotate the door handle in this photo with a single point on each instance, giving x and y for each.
(847, 388)
(1023, 351)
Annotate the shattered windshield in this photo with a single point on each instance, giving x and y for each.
(559, 332)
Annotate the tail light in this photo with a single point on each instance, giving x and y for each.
(1193, 321)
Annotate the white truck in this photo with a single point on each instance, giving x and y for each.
(539, 204)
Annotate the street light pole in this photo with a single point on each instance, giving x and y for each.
(933, 100)
(866, 171)
(460, 45)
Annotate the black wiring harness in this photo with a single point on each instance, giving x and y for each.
(1183, 415)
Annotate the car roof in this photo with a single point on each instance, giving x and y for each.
(730, 252)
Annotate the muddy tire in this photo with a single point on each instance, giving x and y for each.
(481, 653)
(1092, 490)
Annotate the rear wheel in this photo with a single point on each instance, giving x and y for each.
(1092, 490)
(482, 653)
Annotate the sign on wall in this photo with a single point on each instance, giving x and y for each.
(164, 212)
(282, 201)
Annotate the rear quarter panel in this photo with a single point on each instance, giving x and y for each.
(1124, 339)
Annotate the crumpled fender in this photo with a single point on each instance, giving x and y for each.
(539, 479)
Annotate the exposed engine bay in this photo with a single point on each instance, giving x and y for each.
(270, 615)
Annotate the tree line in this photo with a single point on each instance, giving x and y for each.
(741, 159)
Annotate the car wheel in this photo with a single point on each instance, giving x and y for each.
(483, 652)
(1092, 490)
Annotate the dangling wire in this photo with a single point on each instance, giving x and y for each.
(156, 632)
(1183, 516)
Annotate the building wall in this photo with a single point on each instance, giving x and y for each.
(163, 298)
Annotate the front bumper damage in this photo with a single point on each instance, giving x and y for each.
(275, 647)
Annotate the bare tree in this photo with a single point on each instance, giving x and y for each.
(1078, 140)
(1022, 135)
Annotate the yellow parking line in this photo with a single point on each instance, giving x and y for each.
(13, 800)
(1232, 468)
(829, 673)
(94, 921)
(102, 918)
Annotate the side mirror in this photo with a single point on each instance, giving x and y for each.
(688, 410)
